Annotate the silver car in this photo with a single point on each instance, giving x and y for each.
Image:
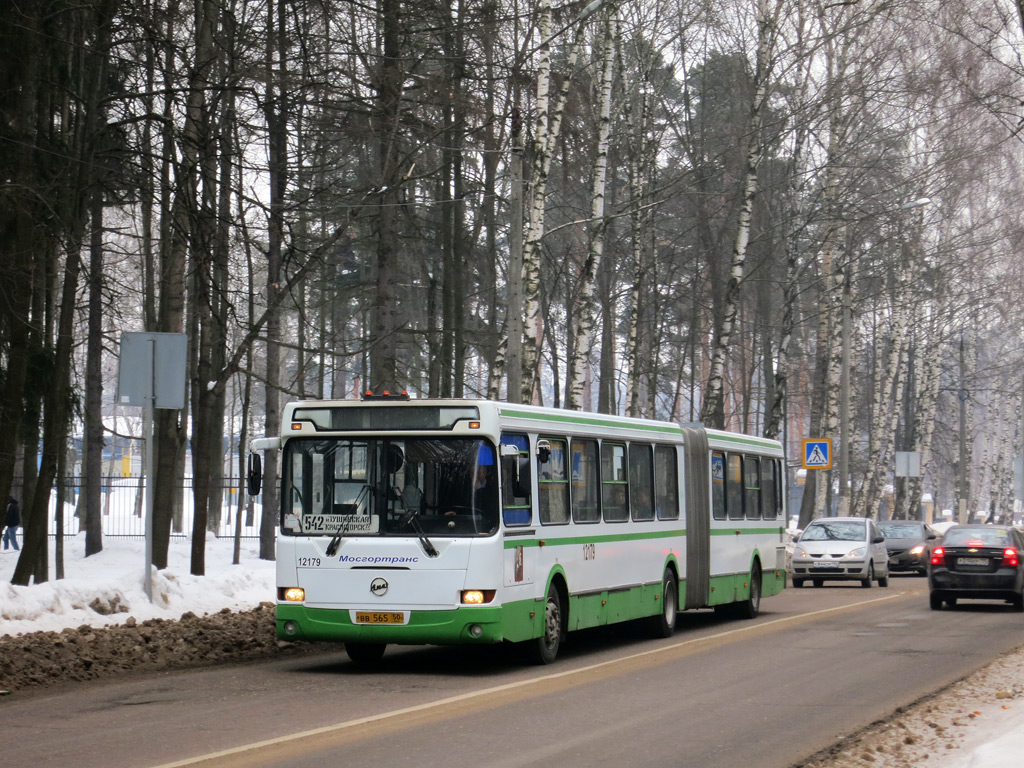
(834, 548)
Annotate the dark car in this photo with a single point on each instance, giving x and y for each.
(910, 544)
(977, 562)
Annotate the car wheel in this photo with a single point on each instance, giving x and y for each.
(818, 582)
(883, 581)
(866, 583)
(951, 602)
(1018, 602)
(664, 624)
(365, 654)
(798, 583)
(935, 601)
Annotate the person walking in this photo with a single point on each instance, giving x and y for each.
(12, 520)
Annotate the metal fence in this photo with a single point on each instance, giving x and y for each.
(123, 505)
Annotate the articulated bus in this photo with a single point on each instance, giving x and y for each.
(467, 521)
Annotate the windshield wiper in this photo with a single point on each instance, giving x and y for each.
(410, 518)
(335, 542)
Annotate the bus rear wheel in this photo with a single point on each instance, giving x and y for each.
(664, 623)
(365, 654)
(545, 648)
(749, 608)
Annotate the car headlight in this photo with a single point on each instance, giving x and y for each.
(859, 552)
(918, 550)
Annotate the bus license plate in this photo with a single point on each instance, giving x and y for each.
(380, 617)
(973, 561)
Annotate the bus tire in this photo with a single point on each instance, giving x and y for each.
(365, 654)
(663, 624)
(544, 649)
(749, 608)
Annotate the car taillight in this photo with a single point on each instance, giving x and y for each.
(938, 556)
(1010, 557)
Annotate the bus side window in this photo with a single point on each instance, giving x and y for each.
(586, 506)
(718, 485)
(641, 480)
(752, 487)
(769, 497)
(553, 485)
(614, 483)
(734, 486)
(515, 479)
(666, 483)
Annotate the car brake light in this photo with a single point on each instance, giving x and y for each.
(1010, 557)
(938, 556)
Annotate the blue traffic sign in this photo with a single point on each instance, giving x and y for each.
(817, 454)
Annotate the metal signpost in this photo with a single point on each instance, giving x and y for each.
(151, 374)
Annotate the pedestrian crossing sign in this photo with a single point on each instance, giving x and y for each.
(817, 453)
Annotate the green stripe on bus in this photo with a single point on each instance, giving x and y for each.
(513, 543)
(592, 422)
(759, 442)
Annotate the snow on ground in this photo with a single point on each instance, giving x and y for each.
(113, 582)
(977, 723)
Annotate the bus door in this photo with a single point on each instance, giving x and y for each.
(519, 555)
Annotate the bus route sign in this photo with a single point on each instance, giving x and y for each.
(817, 453)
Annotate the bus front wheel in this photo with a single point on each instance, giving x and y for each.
(545, 647)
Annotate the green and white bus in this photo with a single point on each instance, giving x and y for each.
(468, 521)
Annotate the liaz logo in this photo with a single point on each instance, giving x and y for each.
(379, 586)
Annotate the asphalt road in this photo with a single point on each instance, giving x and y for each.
(816, 665)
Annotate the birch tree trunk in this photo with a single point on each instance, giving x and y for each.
(927, 401)
(578, 361)
(713, 407)
(549, 124)
(888, 396)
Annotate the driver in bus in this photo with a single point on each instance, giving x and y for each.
(484, 479)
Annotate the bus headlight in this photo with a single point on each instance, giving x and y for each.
(293, 594)
(477, 596)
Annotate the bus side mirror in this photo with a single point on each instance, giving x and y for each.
(254, 481)
(543, 451)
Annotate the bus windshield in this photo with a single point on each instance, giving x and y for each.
(381, 487)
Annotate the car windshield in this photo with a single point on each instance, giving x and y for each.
(836, 531)
(986, 537)
(369, 487)
(901, 531)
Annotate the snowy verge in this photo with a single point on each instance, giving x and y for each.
(108, 587)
